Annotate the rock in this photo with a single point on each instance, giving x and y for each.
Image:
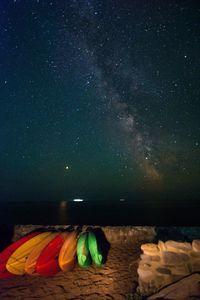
(155, 258)
(195, 266)
(171, 258)
(186, 288)
(196, 245)
(150, 249)
(147, 259)
(144, 265)
(178, 247)
(145, 274)
(139, 234)
(182, 270)
(161, 246)
(195, 255)
(163, 271)
(166, 263)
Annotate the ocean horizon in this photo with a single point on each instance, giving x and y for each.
(110, 213)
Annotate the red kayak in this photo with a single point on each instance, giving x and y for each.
(47, 263)
(5, 254)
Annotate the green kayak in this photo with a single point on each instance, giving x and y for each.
(94, 250)
(83, 255)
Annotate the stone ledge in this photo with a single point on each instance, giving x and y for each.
(165, 263)
(113, 234)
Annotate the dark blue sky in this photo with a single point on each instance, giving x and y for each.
(99, 99)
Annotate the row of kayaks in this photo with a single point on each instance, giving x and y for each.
(47, 253)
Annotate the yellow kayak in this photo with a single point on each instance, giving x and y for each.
(67, 255)
(17, 260)
(30, 265)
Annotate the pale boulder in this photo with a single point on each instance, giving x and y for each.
(171, 258)
(178, 247)
(196, 245)
(150, 249)
(161, 246)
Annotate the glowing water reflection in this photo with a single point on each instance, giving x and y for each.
(63, 211)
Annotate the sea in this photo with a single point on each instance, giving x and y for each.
(104, 213)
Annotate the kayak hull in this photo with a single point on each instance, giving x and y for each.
(30, 266)
(83, 255)
(5, 254)
(16, 262)
(94, 250)
(47, 264)
(67, 255)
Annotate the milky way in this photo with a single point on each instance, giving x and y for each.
(120, 67)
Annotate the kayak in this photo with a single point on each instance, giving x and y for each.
(17, 260)
(5, 254)
(83, 255)
(30, 265)
(94, 250)
(47, 263)
(67, 255)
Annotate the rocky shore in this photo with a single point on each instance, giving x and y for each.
(162, 264)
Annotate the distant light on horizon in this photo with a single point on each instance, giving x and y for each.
(78, 200)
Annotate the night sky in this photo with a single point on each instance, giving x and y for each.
(99, 100)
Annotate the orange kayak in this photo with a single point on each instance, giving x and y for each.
(30, 265)
(67, 255)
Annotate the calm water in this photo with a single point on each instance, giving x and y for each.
(100, 213)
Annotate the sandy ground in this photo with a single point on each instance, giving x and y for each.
(116, 280)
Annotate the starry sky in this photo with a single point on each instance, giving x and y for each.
(99, 100)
